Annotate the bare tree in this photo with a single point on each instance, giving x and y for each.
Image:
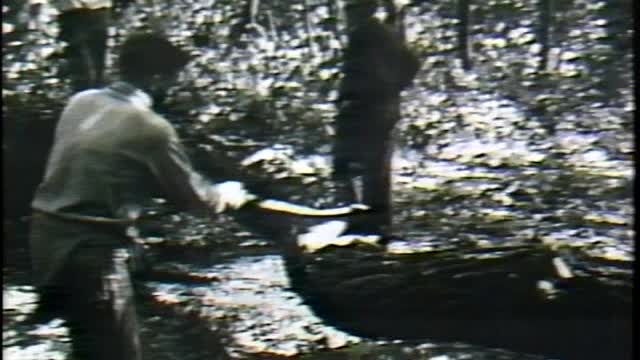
(545, 24)
(309, 27)
(462, 11)
(247, 17)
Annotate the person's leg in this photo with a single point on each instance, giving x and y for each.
(77, 65)
(376, 188)
(102, 318)
(85, 32)
(345, 129)
(376, 164)
(97, 44)
(347, 149)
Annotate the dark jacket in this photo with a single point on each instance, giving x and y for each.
(111, 155)
(377, 63)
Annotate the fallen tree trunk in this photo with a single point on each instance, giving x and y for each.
(523, 298)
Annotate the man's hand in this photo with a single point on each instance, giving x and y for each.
(229, 194)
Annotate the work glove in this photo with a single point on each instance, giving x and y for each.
(229, 194)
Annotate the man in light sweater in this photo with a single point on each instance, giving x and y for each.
(111, 155)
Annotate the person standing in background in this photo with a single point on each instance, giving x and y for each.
(84, 26)
(377, 66)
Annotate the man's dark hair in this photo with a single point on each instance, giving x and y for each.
(143, 55)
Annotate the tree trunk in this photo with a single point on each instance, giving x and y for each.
(247, 17)
(545, 23)
(462, 9)
(511, 297)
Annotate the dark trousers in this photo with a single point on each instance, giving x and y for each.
(94, 294)
(362, 151)
(85, 31)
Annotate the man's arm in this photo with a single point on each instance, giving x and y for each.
(184, 187)
(172, 169)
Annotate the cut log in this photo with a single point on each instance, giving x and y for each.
(523, 298)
